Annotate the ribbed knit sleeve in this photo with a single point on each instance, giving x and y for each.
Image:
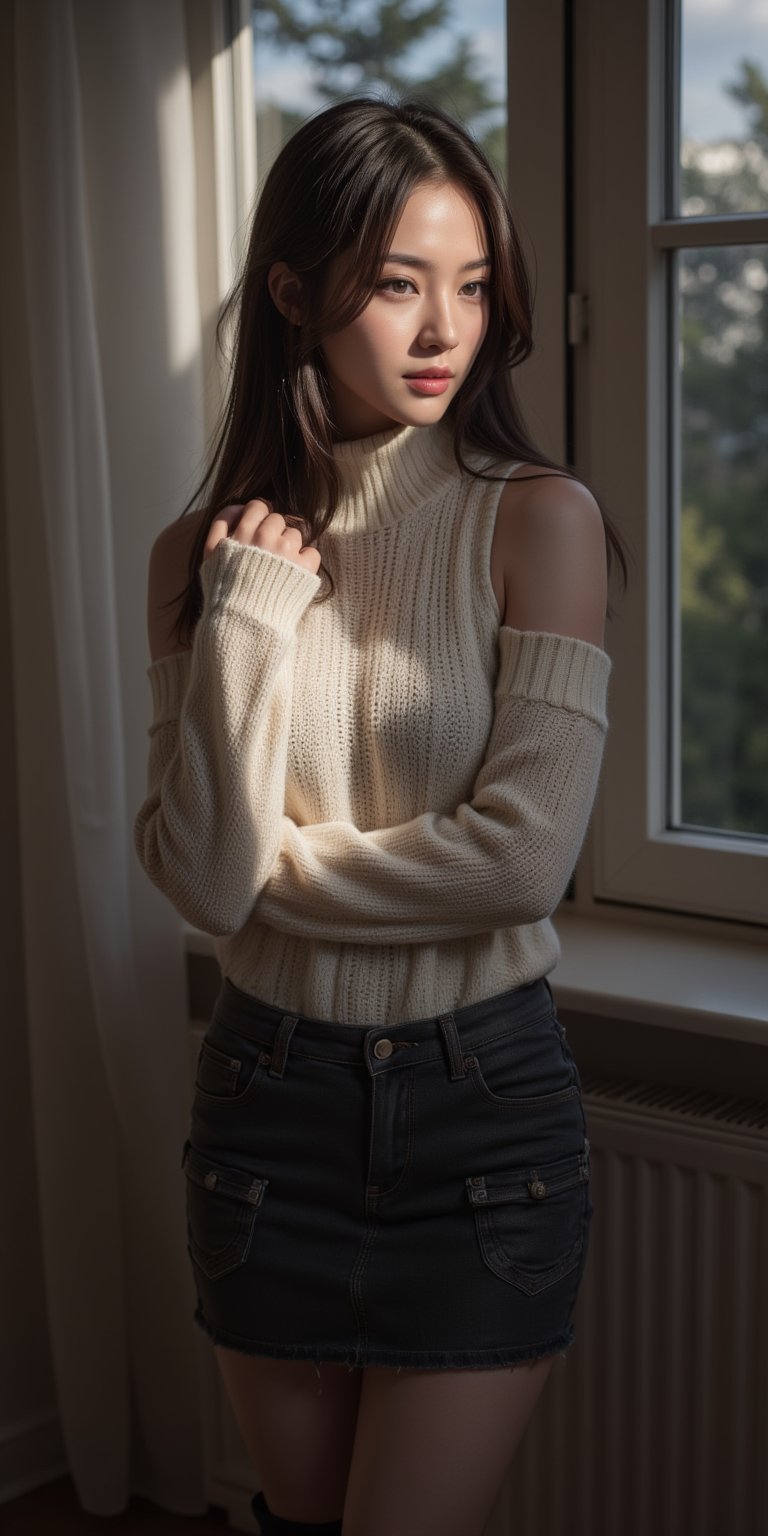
(209, 830)
(503, 858)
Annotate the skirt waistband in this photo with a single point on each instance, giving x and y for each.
(460, 1029)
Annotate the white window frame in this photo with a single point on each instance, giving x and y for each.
(220, 46)
(624, 86)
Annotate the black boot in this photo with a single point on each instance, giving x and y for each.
(275, 1525)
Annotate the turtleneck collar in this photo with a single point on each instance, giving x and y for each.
(385, 477)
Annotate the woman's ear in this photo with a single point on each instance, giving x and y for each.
(286, 291)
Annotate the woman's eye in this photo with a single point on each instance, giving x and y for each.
(397, 284)
(404, 285)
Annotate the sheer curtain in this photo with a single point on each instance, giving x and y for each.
(104, 308)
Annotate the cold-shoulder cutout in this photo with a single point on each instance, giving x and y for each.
(167, 580)
(553, 555)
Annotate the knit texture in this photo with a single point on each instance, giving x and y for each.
(375, 803)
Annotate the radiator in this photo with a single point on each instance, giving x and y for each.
(656, 1421)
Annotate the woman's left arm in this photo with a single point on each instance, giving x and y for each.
(505, 857)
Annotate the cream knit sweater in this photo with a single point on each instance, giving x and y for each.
(375, 803)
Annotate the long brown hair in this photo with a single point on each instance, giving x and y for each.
(339, 186)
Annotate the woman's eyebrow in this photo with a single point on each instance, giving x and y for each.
(418, 261)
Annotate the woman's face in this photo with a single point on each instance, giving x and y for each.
(429, 314)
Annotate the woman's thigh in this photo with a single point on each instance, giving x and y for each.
(433, 1448)
(298, 1424)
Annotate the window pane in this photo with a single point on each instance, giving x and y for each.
(309, 53)
(723, 597)
(724, 107)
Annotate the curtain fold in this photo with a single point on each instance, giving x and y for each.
(104, 424)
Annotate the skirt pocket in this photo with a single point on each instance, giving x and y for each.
(531, 1222)
(231, 1070)
(222, 1206)
(525, 1067)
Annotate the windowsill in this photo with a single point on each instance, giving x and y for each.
(648, 975)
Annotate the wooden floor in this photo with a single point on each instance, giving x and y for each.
(54, 1511)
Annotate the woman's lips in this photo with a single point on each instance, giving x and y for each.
(428, 384)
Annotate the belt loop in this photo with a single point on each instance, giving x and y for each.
(281, 1043)
(451, 1036)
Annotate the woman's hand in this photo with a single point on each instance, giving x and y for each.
(254, 523)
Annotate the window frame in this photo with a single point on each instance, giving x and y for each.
(624, 79)
(220, 50)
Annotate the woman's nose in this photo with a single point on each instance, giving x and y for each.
(439, 328)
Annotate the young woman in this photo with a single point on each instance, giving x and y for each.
(374, 795)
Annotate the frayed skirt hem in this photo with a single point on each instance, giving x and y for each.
(371, 1354)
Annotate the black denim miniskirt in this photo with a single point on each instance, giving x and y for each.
(410, 1195)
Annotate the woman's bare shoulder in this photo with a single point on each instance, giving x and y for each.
(534, 488)
(179, 536)
(552, 555)
(168, 580)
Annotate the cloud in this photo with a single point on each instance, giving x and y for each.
(754, 11)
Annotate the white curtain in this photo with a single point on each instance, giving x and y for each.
(103, 432)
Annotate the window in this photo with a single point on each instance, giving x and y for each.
(718, 159)
(670, 234)
(309, 53)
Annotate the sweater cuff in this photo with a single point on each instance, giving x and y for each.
(555, 669)
(168, 677)
(257, 583)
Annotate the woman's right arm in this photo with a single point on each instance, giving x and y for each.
(209, 830)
